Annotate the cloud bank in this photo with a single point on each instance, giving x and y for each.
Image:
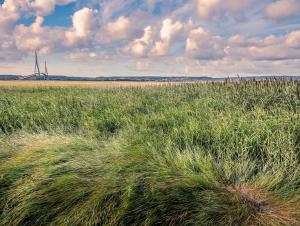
(191, 37)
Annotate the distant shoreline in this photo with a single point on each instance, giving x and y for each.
(146, 78)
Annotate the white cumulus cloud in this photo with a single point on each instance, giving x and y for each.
(33, 7)
(282, 9)
(201, 44)
(141, 46)
(207, 9)
(119, 29)
(84, 21)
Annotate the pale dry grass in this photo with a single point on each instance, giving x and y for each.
(83, 84)
(266, 210)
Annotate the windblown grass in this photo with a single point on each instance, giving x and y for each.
(195, 154)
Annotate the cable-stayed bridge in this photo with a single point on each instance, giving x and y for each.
(37, 75)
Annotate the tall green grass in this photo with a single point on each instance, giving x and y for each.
(196, 154)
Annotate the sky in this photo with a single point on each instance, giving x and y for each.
(215, 38)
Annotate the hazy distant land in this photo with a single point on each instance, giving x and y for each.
(149, 78)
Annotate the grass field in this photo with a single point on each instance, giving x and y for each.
(191, 154)
(83, 84)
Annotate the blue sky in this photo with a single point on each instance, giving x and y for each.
(151, 37)
(62, 16)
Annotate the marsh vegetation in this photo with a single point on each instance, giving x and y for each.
(190, 154)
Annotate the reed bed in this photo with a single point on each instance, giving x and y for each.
(223, 153)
